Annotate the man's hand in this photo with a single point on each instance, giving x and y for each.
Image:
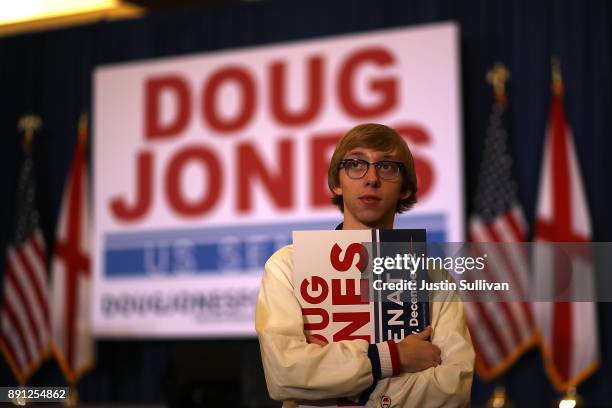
(417, 354)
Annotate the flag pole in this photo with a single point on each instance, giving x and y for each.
(72, 373)
(497, 77)
(28, 125)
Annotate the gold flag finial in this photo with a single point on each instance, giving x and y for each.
(571, 399)
(29, 124)
(83, 127)
(497, 77)
(73, 398)
(557, 79)
(499, 399)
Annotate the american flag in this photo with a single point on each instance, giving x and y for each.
(501, 330)
(569, 331)
(72, 339)
(25, 316)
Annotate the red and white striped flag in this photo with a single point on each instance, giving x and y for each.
(569, 332)
(70, 271)
(501, 330)
(25, 317)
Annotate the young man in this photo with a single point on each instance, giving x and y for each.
(372, 177)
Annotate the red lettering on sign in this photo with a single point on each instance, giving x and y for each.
(416, 135)
(177, 87)
(250, 167)
(318, 285)
(344, 264)
(351, 297)
(316, 311)
(144, 191)
(314, 92)
(210, 166)
(356, 321)
(321, 149)
(385, 87)
(211, 100)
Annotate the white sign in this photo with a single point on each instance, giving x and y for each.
(204, 164)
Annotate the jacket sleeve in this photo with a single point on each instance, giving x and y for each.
(450, 383)
(297, 370)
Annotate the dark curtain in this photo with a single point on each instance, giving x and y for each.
(49, 73)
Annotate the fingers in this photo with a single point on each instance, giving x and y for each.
(425, 333)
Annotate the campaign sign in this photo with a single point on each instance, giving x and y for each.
(333, 281)
(204, 164)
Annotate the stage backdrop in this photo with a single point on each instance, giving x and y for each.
(204, 164)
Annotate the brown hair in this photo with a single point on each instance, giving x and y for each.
(381, 138)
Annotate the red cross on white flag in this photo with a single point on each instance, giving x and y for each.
(70, 272)
(568, 329)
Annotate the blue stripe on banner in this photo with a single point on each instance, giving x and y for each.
(221, 250)
(227, 250)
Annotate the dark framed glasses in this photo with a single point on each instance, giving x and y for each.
(385, 169)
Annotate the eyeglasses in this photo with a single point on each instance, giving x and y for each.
(357, 168)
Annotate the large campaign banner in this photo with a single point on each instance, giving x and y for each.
(205, 164)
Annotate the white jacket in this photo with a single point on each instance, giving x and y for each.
(301, 373)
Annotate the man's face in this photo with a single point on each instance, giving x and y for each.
(369, 202)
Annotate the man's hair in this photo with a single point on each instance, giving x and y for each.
(376, 137)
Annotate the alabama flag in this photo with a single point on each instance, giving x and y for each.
(72, 339)
(568, 329)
